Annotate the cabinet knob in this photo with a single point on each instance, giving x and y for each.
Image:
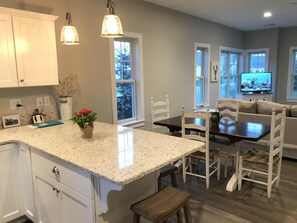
(22, 80)
(54, 189)
(56, 170)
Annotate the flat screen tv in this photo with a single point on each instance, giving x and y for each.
(255, 82)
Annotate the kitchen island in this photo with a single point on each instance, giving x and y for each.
(123, 163)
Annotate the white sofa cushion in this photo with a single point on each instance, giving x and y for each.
(265, 107)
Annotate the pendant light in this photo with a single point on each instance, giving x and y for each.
(69, 34)
(111, 26)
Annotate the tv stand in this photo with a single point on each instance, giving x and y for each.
(261, 96)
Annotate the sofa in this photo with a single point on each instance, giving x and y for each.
(260, 112)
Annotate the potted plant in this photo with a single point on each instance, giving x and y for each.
(85, 118)
(65, 90)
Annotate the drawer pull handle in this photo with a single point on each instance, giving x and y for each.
(56, 189)
(56, 170)
(22, 80)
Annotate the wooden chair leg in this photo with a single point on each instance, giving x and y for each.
(159, 183)
(179, 217)
(240, 173)
(184, 169)
(173, 179)
(187, 213)
(136, 218)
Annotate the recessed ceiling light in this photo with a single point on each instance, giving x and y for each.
(267, 14)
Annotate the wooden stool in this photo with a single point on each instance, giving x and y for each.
(165, 171)
(163, 205)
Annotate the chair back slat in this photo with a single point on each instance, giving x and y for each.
(160, 110)
(188, 123)
(228, 109)
(277, 130)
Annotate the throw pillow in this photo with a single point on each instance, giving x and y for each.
(294, 111)
(247, 106)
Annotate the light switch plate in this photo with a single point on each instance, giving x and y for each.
(47, 100)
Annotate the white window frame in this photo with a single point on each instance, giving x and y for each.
(290, 97)
(260, 50)
(205, 77)
(240, 66)
(138, 75)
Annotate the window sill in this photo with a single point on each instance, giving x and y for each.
(134, 123)
(291, 100)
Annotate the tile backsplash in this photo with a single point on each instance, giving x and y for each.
(28, 98)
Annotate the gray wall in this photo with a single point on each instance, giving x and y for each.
(287, 39)
(168, 39)
(267, 38)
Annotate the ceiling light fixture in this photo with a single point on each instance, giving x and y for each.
(267, 14)
(69, 35)
(111, 26)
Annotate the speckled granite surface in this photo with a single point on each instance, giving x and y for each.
(118, 154)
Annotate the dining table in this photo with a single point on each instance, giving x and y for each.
(233, 131)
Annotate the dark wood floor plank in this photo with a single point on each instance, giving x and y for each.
(248, 205)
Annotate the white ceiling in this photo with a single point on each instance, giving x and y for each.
(240, 14)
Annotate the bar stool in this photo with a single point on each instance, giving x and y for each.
(162, 205)
(165, 171)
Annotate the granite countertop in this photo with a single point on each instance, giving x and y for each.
(118, 154)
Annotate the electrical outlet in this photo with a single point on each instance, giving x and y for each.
(14, 102)
(39, 101)
(47, 100)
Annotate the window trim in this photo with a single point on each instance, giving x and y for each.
(290, 97)
(241, 53)
(260, 50)
(139, 119)
(206, 79)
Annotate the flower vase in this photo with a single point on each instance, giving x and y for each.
(65, 104)
(87, 131)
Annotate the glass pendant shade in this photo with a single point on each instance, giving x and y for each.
(69, 35)
(111, 26)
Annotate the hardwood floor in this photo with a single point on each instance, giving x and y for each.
(248, 205)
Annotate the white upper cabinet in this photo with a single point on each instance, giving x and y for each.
(8, 73)
(28, 49)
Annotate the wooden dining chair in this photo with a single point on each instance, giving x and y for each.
(265, 163)
(190, 130)
(229, 109)
(159, 110)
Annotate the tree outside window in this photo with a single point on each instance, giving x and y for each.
(229, 71)
(257, 62)
(125, 83)
(201, 74)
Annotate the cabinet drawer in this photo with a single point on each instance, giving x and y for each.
(64, 173)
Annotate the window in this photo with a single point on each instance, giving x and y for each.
(231, 65)
(127, 79)
(257, 60)
(292, 74)
(201, 75)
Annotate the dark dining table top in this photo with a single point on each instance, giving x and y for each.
(235, 131)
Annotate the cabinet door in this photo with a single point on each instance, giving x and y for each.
(47, 198)
(8, 73)
(35, 47)
(10, 193)
(27, 182)
(76, 208)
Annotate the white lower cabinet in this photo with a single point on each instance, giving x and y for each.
(27, 182)
(10, 193)
(56, 201)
